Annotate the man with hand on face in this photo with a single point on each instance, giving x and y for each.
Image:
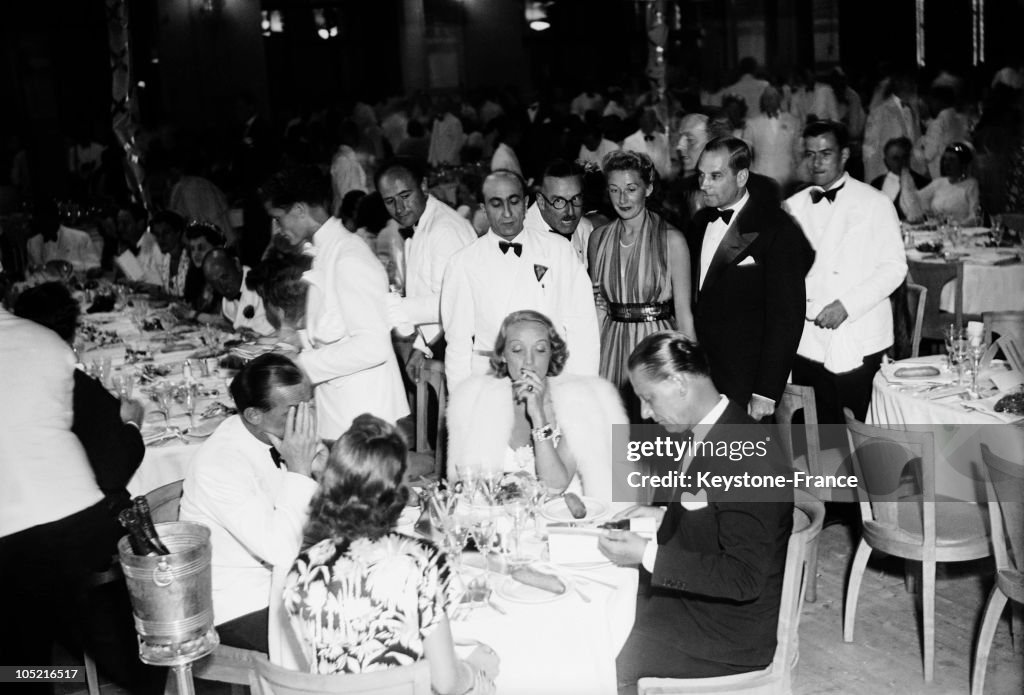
(860, 261)
(559, 206)
(251, 483)
(511, 269)
(433, 233)
(348, 354)
(241, 306)
(749, 260)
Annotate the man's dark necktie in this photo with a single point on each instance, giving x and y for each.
(516, 247)
(276, 456)
(724, 215)
(406, 232)
(817, 194)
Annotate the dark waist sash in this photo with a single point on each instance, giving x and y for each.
(641, 313)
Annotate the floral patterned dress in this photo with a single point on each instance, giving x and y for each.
(366, 605)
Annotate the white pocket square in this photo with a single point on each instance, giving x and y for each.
(749, 260)
(692, 502)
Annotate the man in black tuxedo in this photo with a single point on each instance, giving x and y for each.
(749, 259)
(711, 584)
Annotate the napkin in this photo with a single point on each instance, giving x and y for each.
(1007, 381)
(566, 548)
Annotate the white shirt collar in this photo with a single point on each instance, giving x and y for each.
(715, 414)
(841, 181)
(738, 205)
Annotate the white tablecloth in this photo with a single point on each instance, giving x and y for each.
(565, 646)
(165, 462)
(987, 287)
(957, 430)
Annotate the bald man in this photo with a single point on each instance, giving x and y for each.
(241, 306)
(510, 269)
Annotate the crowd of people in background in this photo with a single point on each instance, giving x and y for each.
(534, 245)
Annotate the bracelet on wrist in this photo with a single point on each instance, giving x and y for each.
(544, 433)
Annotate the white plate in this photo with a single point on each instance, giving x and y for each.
(517, 592)
(556, 510)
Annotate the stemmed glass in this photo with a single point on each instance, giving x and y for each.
(164, 392)
(535, 492)
(976, 352)
(483, 531)
(951, 333)
(469, 483)
(490, 481)
(958, 356)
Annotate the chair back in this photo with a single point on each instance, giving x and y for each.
(1013, 220)
(413, 679)
(165, 501)
(881, 457)
(933, 277)
(795, 399)
(1005, 487)
(1006, 324)
(917, 297)
(431, 377)
(808, 517)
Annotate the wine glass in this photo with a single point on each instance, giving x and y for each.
(469, 483)
(164, 393)
(976, 352)
(483, 531)
(490, 480)
(958, 355)
(951, 333)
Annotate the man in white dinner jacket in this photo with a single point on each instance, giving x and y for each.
(512, 268)
(347, 352)
(433, 233)
(559, 206)
(859, 262)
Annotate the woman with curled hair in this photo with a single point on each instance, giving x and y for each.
(526, 415)
(640, 268)
(364, 597)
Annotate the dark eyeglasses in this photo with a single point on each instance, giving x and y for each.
(559, 203)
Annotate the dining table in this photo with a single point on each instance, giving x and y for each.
(993, 278)
(903, 397)
(143, 353)
(547, 642)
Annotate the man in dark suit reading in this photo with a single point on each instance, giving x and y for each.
(709, 599)
(749, 260)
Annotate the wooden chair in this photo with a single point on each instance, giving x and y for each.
(933, 277)
(912, 527)
(226, 664)
(163, 506)
(808, 515)
(413, 679)
(917, 298)
(1005, 324)
(428, 458)
(1005, 486)
(816, 461)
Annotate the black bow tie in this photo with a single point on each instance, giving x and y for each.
(516, 247)
(276, 456)
(406, 232)
(649, 138)
(724, 215)
(818, 194)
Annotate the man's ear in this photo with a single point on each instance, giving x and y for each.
(423, 187)
(680, 382)
(301, 210)
(742, 176)
(845, 155)
(254, 416)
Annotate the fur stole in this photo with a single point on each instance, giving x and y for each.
(480, 418)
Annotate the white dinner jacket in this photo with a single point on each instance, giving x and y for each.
(440, 234)
(482, 286)
(580, 238)
(350, 359)
(859, 260)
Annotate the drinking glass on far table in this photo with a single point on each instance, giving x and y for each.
(951, 333)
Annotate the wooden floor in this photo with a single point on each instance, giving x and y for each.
(885, 656)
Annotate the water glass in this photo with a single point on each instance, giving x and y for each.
(516, 508)
(952, 333)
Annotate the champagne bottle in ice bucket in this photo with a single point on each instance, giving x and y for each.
(148, 529)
